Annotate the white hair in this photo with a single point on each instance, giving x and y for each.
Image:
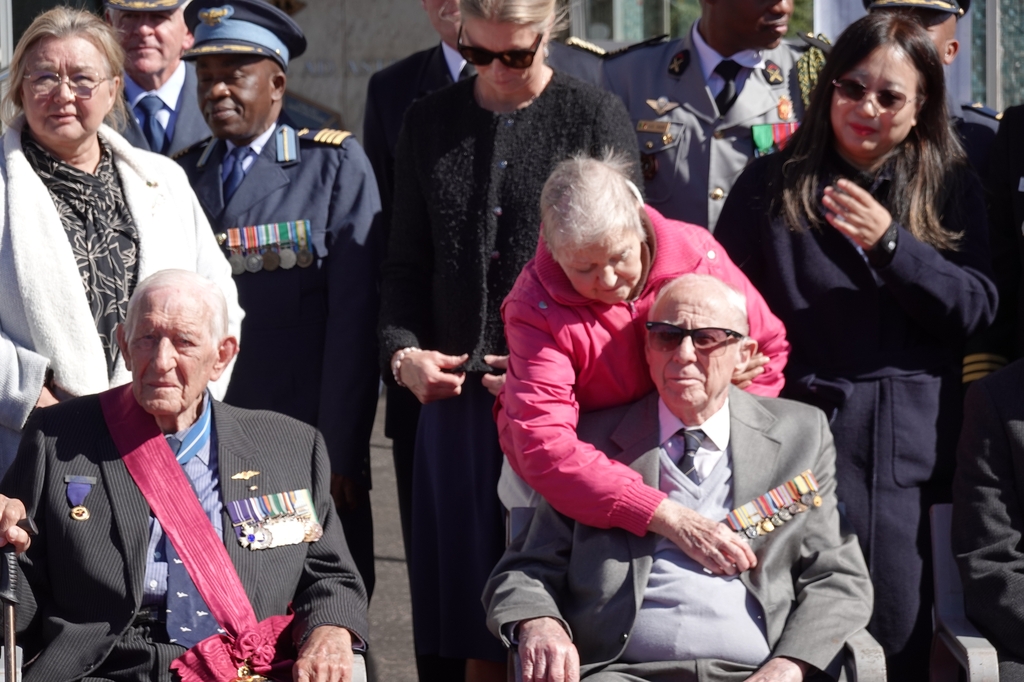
(733, 299)
(586, 200)
(540, 14)
(188, 284)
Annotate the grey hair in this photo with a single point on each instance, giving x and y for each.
(190, 284)
(586, 200)
(733, 298)
(539, 14)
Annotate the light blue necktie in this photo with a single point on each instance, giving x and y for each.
(155, 134)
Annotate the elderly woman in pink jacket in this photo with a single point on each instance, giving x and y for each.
(574, 322)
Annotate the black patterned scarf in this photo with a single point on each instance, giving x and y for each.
(102, 233)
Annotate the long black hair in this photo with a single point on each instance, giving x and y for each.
(925, 166)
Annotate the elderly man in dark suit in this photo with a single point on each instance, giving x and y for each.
(159, 87)
(295, 211)
(988, 513)
(118, 584)
(602, 604)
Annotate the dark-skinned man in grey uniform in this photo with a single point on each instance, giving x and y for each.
(296, 211)
(159, 88)
(694, 101)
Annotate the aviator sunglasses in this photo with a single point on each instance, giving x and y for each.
(513, 59)
(884, 100)
(667, 337)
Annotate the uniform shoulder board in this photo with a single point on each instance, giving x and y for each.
(979, 108)
(820, 41)
(586, 46)
(658, 40)
(192, 147)
(324, 135)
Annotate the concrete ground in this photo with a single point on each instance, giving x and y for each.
(391, 656)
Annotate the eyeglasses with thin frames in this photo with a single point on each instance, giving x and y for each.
(666, 337)
(883, 100)
(45, 83)
(513, 59)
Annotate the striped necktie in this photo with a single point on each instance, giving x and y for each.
(692, 439)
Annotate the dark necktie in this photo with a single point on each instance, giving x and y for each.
(234, 170)
(468, 71)
(728, 70)
(188, 618)
(691, 443)
(151, 128)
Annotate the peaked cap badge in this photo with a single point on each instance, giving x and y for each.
(215, 15)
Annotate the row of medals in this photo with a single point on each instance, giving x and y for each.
(783, 515)
(270, 260)
(261, 535)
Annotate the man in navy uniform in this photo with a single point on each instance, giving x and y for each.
(296, 211)
(695, 101)
(159, 87)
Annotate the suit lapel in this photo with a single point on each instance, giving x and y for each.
(235, 453)
(637, 433)
(696, 97)
(264, 177)
(191, 126)
(435, 74)
(208, 186)
(756, 98)
(130, 511)
(754, 453)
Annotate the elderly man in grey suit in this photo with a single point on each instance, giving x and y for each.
(695, 100)
(177, 532)
(607, 606)
(159, 87)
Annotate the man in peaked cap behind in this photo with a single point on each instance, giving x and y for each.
(296, 212)
(160, 89)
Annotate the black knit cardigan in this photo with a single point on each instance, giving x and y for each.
(467, 208)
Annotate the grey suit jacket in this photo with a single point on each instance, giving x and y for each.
(811, 579)
(188, 129)
(702, 151)
(84, 579)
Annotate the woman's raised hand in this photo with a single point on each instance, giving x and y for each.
(422, 371)
(855, 213)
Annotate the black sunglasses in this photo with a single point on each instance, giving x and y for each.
(513, 59)
(667, 337)
(885, 100)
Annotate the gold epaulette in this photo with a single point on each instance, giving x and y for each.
(585, 45)
(182, 152)
(810, 64)
(978, 365)
(325, 135)
(657, 40)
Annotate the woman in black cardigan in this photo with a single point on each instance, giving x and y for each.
(470, 164)
(867, 237)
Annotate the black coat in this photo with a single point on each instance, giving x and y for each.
(879, 350)
(308, 346)
(190, 127)
(466, 213)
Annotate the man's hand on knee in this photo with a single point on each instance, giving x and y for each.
(325, 657)
(546, 652)
(780, 670)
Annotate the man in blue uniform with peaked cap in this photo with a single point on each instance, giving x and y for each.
(296, 213)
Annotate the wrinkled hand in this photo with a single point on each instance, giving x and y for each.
(546, 652)
(780, 670)
(347, 494)
(855, 213)
(755, 368)
(495, 382)
(12, 511)
(421, 373)
(711, 544)
(46, 398)
(325, 657)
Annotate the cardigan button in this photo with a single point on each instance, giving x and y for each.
(496, 210)
(495, 255)
(718, 194)
(503, 164)
(542, 305)
(509, 122)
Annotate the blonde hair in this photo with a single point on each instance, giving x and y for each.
(63, 23)
(540, 14)
(586, 200)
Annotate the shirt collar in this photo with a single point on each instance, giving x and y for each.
(716, 427)
(258, 144)
(454, 60)
(709, 58)
(203, 454)
(168, 93)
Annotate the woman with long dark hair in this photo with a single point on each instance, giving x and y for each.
(867, 237)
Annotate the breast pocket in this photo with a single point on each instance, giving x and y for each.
(660, 143)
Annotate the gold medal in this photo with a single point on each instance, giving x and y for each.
(767, 526)
(785, 108)
(79, 513)
(817, 500)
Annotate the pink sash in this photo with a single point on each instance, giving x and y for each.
(249, 647)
